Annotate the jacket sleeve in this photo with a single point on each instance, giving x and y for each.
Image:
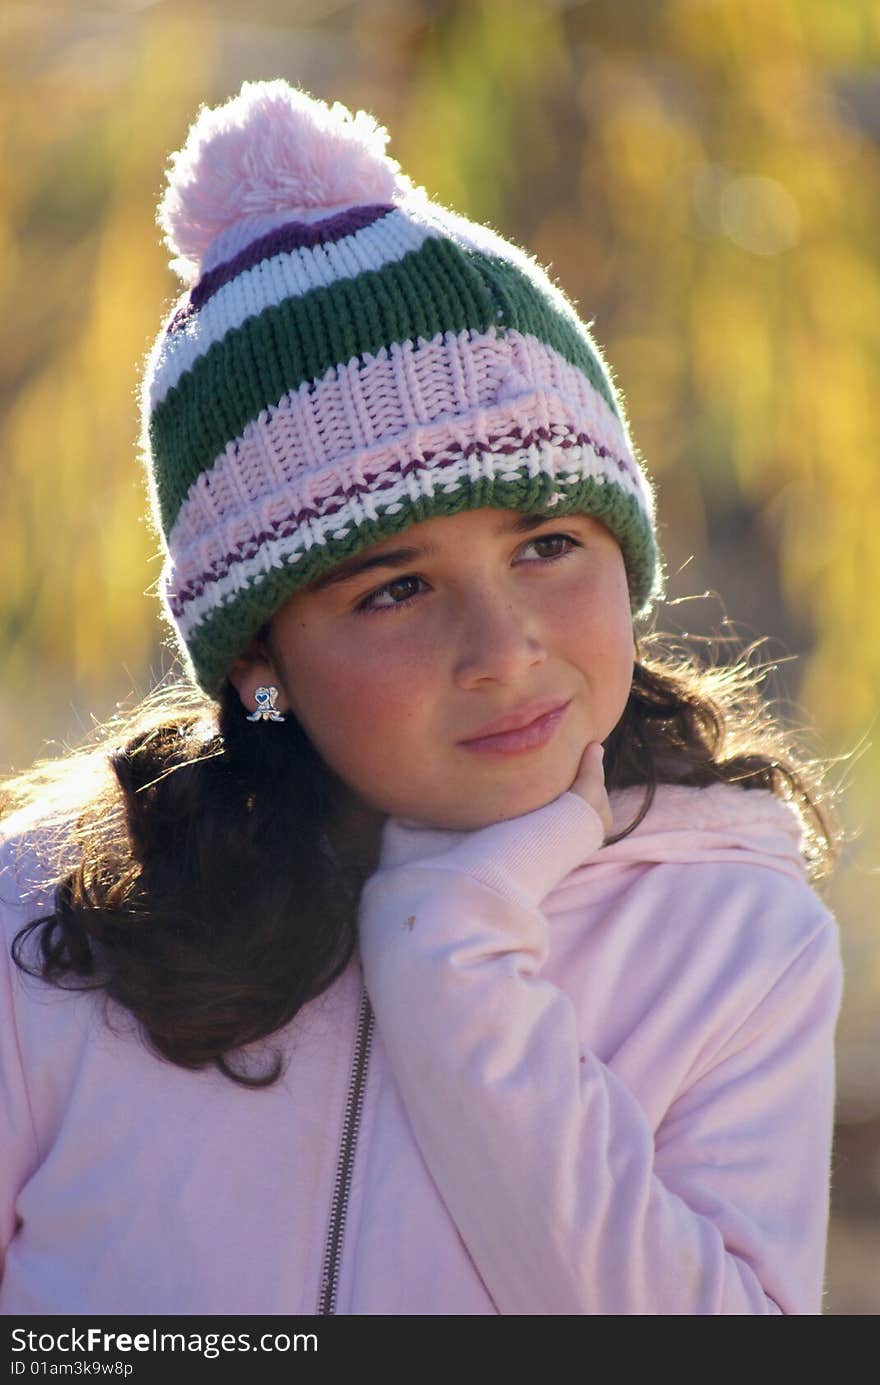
(19, 1152)
(566, 1198)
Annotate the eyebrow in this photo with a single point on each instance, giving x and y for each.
(400, 557)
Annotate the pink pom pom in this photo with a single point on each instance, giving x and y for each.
(270, 150)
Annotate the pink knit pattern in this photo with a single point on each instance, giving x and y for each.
(403, 418)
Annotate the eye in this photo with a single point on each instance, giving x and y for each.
(369, 604)
(554, 539)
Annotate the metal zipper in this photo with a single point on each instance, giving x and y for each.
(345, 1163)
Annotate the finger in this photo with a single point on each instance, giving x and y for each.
(591, 760)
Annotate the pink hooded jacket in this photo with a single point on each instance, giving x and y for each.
(594, 1080)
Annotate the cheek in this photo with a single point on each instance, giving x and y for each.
(598, 637)
(355, 699)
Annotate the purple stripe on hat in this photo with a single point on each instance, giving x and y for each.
(293, 235)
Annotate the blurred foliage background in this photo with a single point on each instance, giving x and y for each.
(702, 178)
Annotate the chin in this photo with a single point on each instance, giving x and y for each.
(483, 814)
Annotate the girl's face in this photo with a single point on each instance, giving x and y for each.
(409, 649)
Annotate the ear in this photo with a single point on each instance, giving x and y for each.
(254, 668)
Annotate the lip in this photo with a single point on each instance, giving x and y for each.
(533, 736)
(518, 720)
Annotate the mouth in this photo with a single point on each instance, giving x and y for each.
(529, 728)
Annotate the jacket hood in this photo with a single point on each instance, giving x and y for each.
(721, 822)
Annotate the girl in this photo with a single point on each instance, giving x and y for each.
(345, 976)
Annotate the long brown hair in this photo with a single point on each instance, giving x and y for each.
(161, 838)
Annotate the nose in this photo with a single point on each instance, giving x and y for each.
(496, 640)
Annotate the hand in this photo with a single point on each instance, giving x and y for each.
(589, 782)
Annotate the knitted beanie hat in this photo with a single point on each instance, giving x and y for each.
(349, 358)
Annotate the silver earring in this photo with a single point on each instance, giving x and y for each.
(266, 709)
